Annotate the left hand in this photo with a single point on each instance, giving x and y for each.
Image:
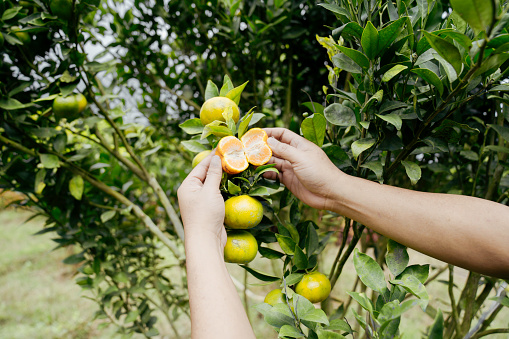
(201, 203)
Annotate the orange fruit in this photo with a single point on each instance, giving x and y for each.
(82, 101)
(274, 297)
(66, 107)
(199, 157)
(314, 286)
(241, 247)
(236, 155)
(242, 212)
(231, 152)
(213, 110)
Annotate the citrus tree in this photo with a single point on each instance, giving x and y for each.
(92, 95)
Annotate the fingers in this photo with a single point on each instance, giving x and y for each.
(284, 150)
(214, 173)
(288, 137)
(200, 171)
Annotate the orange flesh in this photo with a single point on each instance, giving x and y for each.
(232, 155)
(255, 146)
(236, 155)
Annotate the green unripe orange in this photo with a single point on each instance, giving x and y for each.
(314, 286)
(241, 247)
(66, 107)
(199, 157)
(213, 110)
(24, 37)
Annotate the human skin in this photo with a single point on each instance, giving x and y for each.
(216, 309)
(464, 231)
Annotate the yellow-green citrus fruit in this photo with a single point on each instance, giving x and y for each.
(241, 247)
(66, 107)
(213, 110)
(61, 8)
(242, 212)
(314, 286)
(82, 102)
(24, 37)
(199, 157)
(274, 297)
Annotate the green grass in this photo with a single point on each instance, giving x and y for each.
(38, 295)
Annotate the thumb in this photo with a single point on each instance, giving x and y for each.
(214, 173)
(283, 151)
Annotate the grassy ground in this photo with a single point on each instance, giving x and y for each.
(39, 298)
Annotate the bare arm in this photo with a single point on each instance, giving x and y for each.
(216, 309)
(468, 232)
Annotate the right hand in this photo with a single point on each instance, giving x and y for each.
(303, 168)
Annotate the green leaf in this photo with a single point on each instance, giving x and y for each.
(393, 119)
(292, 279)
(278, 316)
(340, 115)
(259, 191)
(260, 275)
(369, 41)
(342, 61)
(300, 259)
(395, 70)
(388, 34)
(235, 93)
(194, 146)
(363, 300)
(501, 130)
(496, 149)
(49, 161)
(76, 187)
(376, 167)
(361, 145)
(227, 86)
(412, 170)
(216, 129)
(10, 104)
(436, 331)
(491, 64)
(315, 315)
(192, 126)
(358, 57)
(211, 91)
(314, 107)
(397, 257)
(244, 123)
(336, 10)
(414, 286)
(269, 253)
(394, 309)
(430, 77)
(233, 189)
(369, 272)
(313, 129)
(290, 332)
(74, 259)
(325, 334)
(108, 215)
(446, 50)
(11, 13)
(351, 29)
(39, 181)
(420, 272)
(287, 244)
(131, 316)
(477, 13)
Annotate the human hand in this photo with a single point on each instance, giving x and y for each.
(303, 168)
(201, 203)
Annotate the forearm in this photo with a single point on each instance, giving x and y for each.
(216, 309)
(468, 232)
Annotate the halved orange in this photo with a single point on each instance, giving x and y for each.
(255, 146)
(236, 155)
(231, 152)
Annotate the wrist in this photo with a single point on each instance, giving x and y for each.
(203, 241)
(338, 186)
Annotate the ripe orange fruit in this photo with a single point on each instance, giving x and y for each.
(255, 146)
(241, 247)
(231, 152)
(199, 157)
(66, 107)
(213, 110)
(242, 212)
(314, 286)
(236, 155)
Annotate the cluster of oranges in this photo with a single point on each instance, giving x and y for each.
(244, 212)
